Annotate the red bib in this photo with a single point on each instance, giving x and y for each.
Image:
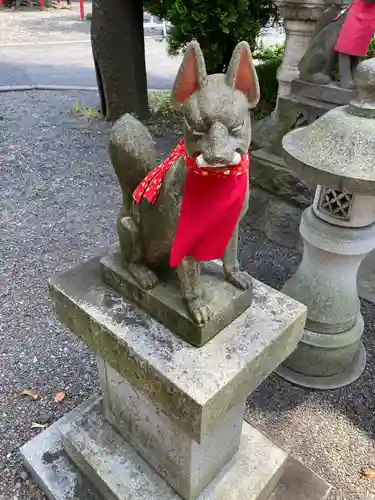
(211, 205)
(358, 29)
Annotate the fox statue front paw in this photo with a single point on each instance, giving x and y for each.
(240, 279)
(145, 277)
(199, 310)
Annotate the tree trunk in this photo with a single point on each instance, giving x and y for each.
(117, 41)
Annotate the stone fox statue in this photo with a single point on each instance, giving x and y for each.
(187, 210)
(340, 37)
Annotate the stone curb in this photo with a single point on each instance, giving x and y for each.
(22, 88)
(18, 88)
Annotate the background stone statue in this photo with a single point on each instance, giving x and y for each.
(217, 133)
(342, 35)
(119, 55)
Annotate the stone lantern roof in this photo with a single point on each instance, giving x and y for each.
(338, 149)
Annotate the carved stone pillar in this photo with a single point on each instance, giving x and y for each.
(300, 18)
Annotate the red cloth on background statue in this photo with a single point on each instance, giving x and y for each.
(358, 29)
(211, 205)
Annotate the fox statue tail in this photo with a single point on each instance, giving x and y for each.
(132, 152)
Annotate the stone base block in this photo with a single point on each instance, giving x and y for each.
(118, 472)
(164, 301)
(277, 198)
(187, 465)
(346, 377)
(274, 217)
(270, 172)
(332, 93)
(81, 457)
(52, 469)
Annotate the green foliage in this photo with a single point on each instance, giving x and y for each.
(371, 50)
(270, 53)
(86, 113)
(270, 59)
(218, 26)
(159, 102)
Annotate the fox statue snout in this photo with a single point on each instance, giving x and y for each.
(212, 159)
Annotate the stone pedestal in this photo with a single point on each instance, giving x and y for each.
(164, 301)
(169, 424)
(338, 231)
(331, 353)
(300, 18)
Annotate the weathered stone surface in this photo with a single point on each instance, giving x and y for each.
(61, 479)
(326, 279)
(366, 278)
(299, 19)
(110, 463)
(340, 208)
(320, 59)
(262, 132)
(274, 217)
(165, 302)
(326, 282)
(330, 354)
(349, 372)
(300, 483)
(119, 473)
(270, 172)
(330, 93)
(194, 387)
(288, 115)
(50, 466)
(313, 153)
(186, 465)
(295, 111)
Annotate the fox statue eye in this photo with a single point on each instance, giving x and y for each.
(190, 129)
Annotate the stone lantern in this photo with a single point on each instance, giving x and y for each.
(336, 152)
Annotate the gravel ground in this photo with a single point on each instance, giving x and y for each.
(36, 26)
(58, 200)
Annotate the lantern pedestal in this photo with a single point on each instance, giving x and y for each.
(330, 354)
(338, 231)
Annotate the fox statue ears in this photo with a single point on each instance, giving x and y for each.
(192, 75)
(241, 73)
